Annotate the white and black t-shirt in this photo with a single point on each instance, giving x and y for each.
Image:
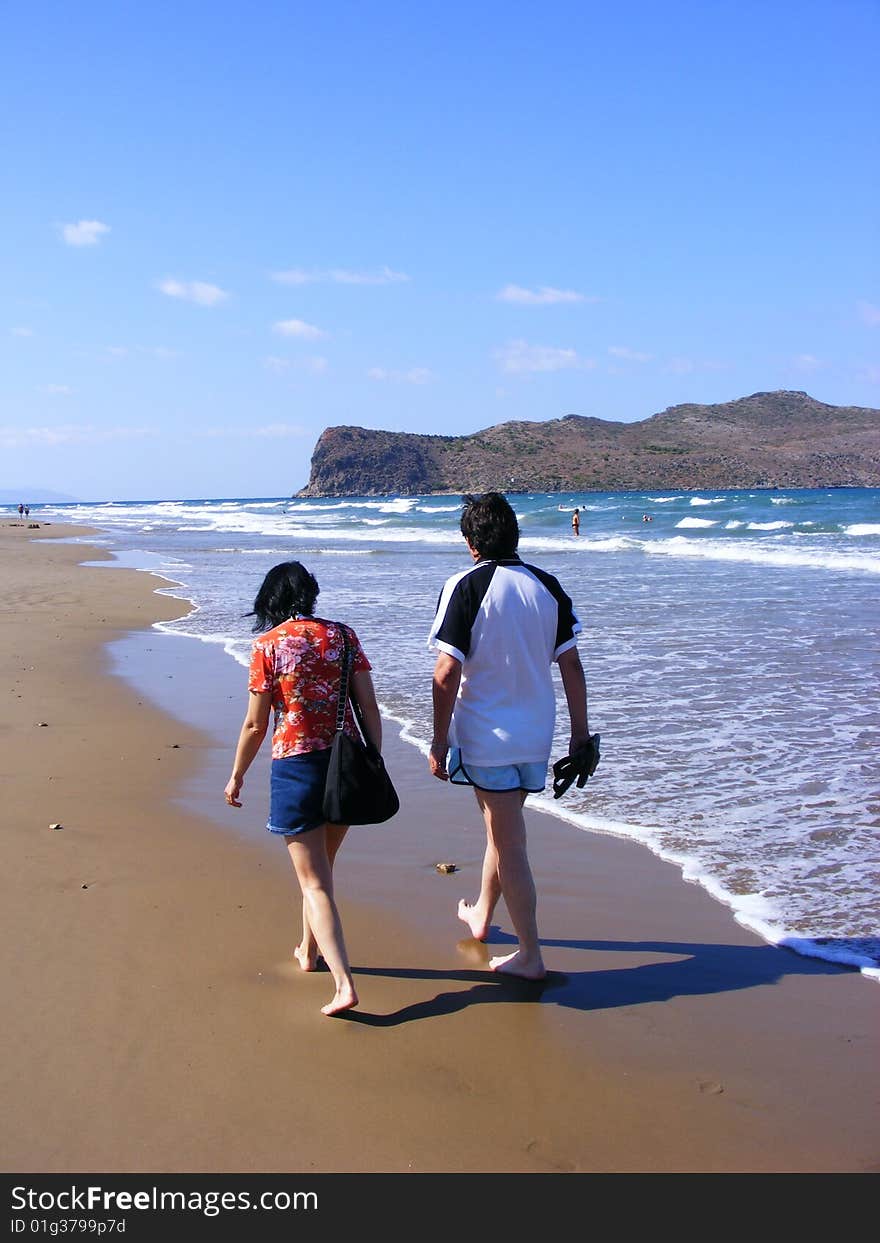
(506, 622)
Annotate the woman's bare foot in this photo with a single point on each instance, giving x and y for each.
(469, 914)
(517, 964)
(307, 959)
(346, 999)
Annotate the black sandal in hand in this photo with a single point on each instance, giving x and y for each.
(576, 767)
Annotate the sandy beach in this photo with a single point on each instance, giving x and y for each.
(155, 1020)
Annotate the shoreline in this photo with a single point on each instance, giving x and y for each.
(770, 933)
(669, 1039)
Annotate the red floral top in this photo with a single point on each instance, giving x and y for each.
(300, 662)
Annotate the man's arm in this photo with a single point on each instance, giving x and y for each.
(447, 678)
(575, 686)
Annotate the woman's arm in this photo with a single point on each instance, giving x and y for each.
(364, 694)
(253, 731)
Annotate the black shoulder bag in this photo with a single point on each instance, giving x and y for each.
(358, 789)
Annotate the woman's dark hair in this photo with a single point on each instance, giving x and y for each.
(489, 525)
(287, 589)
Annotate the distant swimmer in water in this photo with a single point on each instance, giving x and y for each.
(647, 518)
(576, 522)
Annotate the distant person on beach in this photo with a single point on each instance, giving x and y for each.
(576, 522)
(20, 510)
(295, 667)
(499, 626)
(27, 511)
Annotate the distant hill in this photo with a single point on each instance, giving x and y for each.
(777, 439)
(34, 496)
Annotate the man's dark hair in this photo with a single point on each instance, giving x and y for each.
(288, 588)
(489, 525)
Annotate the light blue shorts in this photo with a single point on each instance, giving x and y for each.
(528, 777)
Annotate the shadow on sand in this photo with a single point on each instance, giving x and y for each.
(687, 970)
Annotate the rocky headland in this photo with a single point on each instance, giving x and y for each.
(776, 439)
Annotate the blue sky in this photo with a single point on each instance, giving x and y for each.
(227, 226)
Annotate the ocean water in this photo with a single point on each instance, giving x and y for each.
(730, 646)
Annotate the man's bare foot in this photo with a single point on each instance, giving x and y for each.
(478, 926)
(346, 999)
(517, 964)
(307, 961)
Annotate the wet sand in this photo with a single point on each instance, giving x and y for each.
(155, 1020)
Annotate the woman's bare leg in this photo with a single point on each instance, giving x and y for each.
(312, 866)
(306, 953)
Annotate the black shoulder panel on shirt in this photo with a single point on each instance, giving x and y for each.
(463, 606)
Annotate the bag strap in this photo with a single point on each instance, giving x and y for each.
(343, 679)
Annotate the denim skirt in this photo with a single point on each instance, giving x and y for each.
(296, 792)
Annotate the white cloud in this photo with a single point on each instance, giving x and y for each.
(199, 292)
(870, 313)
(84, 232)
(339, 276)
(298, 328)
(632, 356)
(545, 296)
(58, 390)
(807, 362)
(519, 356)
(415, 375)
(22, 332)
(71, 434)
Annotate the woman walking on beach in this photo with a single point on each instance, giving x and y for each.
(295, 667)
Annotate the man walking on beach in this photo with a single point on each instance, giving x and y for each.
(499, 626)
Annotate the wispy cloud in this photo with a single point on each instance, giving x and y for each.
(71, 434)
(521, 357)
(141, 351)
(546, 295)
(58, 390)
(339, 276)
(870, 313)
(298, 328)
(680, 365)
(22, 332)
(270, 431)
(84, 232)
(199, 292)
(415, 375)
(628, 355)
(807, 362)
(315, 363)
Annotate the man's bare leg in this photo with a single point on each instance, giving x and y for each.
(478, 916)
(506, 830)
(306, 953)
(313, 871)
